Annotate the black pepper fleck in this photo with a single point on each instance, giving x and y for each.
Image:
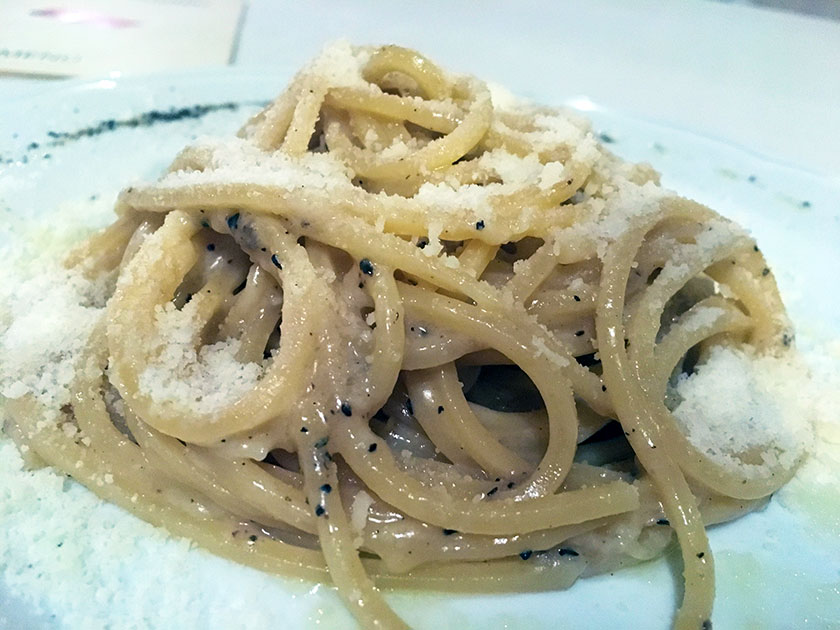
(568, 551)
(319, 510)
(526, 554)
(366, 266)
(479, 225)
(276, 261)
(252, 538)
(372, 448)
(326, 488)
(663, 521)
(493, 491)
(233, 221)
(210, 247)
(346, 409)
(449, 532)
(440, 408)
(508, 248)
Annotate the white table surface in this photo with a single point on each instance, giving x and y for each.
(759, 78)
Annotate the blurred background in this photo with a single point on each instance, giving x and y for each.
(761, 74)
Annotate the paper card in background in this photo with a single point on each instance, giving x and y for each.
(95, 37)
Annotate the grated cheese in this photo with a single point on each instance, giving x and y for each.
(737, 402)
(203, 381)
(340, 64)
(703, 316)
(359, 509)
(97, 559)
(41, 350)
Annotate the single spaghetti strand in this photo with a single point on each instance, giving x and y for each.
(644, 435)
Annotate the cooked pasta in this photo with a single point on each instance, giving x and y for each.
(406, 330)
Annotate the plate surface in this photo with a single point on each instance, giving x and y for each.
(96, 566)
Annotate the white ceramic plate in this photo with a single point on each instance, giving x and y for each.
(778, 568)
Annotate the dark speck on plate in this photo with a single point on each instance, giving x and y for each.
(145, 119)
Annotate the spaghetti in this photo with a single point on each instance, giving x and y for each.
(406, 331)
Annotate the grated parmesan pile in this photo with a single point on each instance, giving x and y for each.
(737, 402)
(204, 381)
(51, 317)
(235, 160)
